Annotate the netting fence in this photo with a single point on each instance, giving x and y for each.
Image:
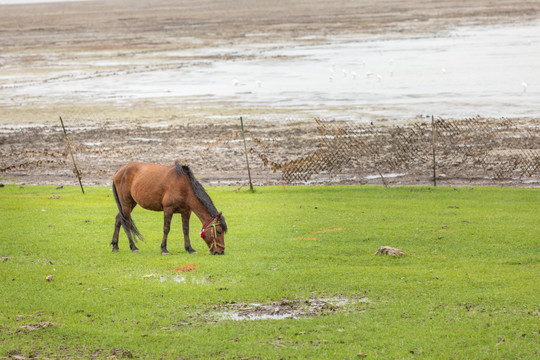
(282, 148)
(465, 148)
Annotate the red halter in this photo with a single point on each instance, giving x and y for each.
(213, 232)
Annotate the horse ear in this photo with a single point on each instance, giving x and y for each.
(218, 216)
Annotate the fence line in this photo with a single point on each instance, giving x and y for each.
(296, 148)
(465, 148)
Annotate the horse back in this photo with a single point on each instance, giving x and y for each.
(152, 186)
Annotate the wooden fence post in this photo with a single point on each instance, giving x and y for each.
(68, 143)
(433, 143)
(245, 150)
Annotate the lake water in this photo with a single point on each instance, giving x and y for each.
(490, 71)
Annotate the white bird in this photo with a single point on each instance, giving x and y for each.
(344, 73)
(379, 77)
(443, 70)
(236, 82)
(353, 74)
(525, 86)
(331, 78)
(259, 83)
(369, 74)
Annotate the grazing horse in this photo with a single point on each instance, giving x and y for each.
(171, 189)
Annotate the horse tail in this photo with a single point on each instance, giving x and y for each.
(135, 233)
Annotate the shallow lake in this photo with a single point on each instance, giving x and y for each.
(490, 71)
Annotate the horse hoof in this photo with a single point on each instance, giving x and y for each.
(135, 250)
(115, 250)
(193, 252)
(164, 253)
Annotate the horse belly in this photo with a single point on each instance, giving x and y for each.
(157, 195)
(148, 194)
(149, 205)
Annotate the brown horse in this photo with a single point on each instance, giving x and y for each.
(171, 189)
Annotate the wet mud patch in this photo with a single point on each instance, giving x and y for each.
(290, 308)
(38, 326)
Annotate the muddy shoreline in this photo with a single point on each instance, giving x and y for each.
(215, 152)
(54, 43)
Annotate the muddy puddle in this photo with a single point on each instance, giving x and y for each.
(177, 279)
(289, 309)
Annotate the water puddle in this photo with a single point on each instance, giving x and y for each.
(390, 175)
(179, 278)
(145, 139)
(290, 309)
(182, 279)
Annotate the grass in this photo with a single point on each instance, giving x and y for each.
(467, 288)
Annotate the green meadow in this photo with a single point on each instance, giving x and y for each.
(468, 286)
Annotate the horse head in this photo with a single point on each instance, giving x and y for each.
(213, 233)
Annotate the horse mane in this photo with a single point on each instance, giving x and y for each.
(200, 193)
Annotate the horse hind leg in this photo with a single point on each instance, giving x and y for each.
(127, 224)
(127, 228)
(167, 217)
(125, 204)
(129, 233)
(117, 225)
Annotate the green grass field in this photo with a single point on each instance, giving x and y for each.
(468, 287)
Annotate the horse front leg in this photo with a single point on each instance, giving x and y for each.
(117, 225)
(185, 229)
(167, 217)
